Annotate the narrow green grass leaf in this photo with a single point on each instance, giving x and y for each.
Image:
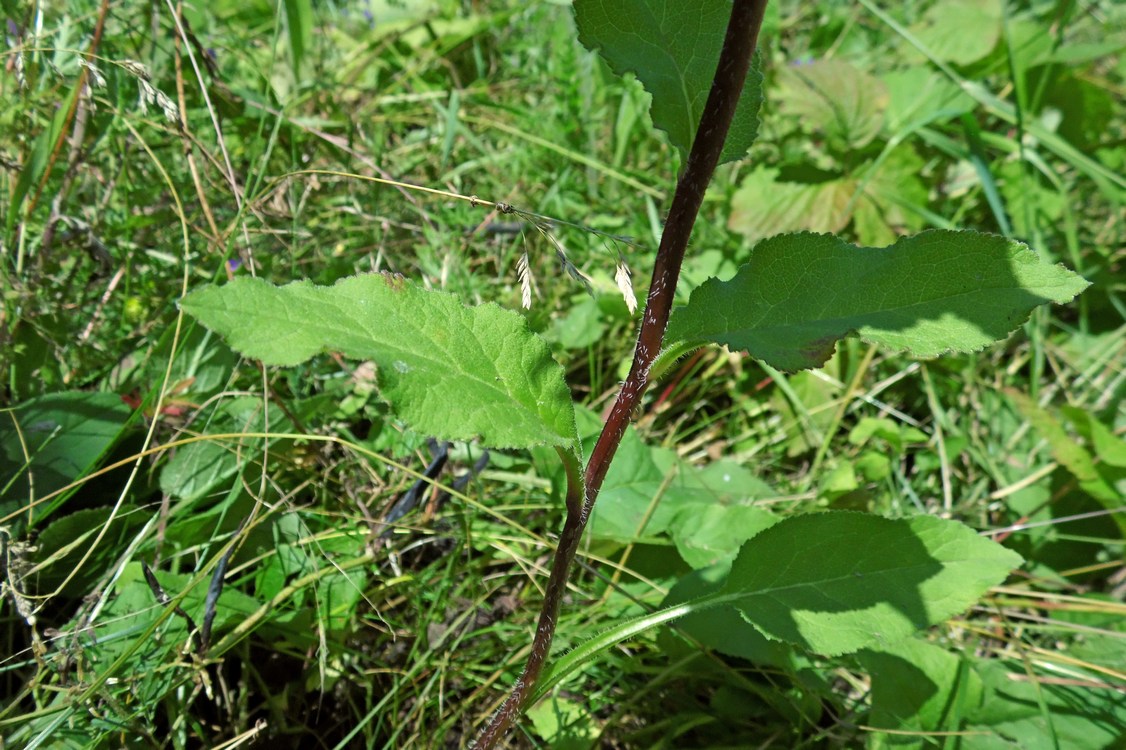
(448, 370)
(935, 292)
(673, 48)
(299, 24)
(838, 582)
(35, 170)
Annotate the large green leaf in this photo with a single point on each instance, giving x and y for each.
(673, 48)
(448, 370)
(829, 582)
(63, 434)
(935, 292)
(918, 687)
(721, 627)
(838, 582)
(709, 534)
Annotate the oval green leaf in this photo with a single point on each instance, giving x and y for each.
(838, 582)
(935, 292)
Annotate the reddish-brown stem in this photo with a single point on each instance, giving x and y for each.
(731, 72)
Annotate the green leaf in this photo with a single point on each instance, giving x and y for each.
(63, 543)
(580, 327)
(1096, 480)
(936, 292)
(871, 197)
(65, 434)
(829, 582)
(299, 24)
(961, 31)
(918, 96)
(1030, 714)
(564, 723)
(721, 627)
(919, 687)
(711, 533)
(838, 582)
(647, 488)
(835, 98)
(874, 466)
(448, 370)
(673, 48)
(200, 468)
(133, 608)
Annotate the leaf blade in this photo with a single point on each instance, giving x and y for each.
(451, 371)
(932, 293)
(673, 49)
(838, 582)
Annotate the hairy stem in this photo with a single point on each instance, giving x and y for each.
(731, 72)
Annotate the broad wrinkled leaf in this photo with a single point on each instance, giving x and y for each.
(835, 98)
(839, 582)
(673, 48)
(871, 198)
(932, 293)
(960, 31)
(448, 370)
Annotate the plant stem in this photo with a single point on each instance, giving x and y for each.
(731, 73)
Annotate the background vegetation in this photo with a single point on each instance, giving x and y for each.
(145, 153)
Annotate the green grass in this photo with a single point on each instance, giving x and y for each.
(327, 635)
